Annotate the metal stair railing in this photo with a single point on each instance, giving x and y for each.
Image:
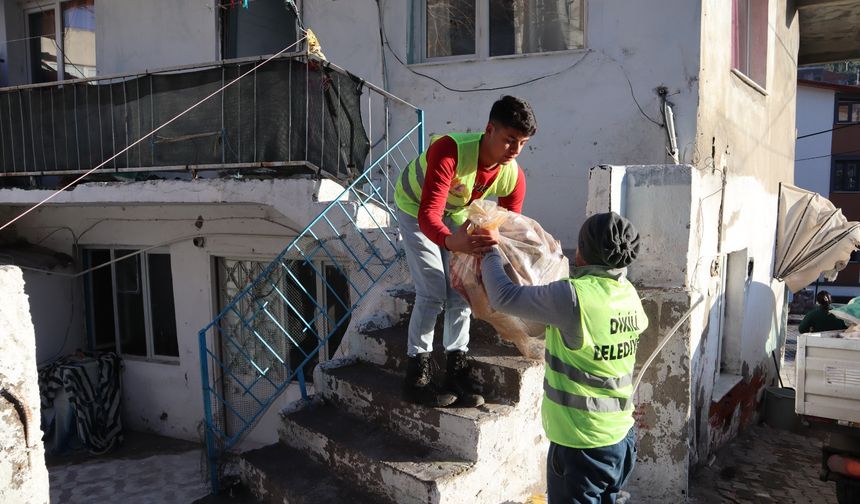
(283, 320)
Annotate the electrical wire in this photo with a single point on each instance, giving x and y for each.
(141, 251)
(855, 151)
(828, 130)
(151, 133)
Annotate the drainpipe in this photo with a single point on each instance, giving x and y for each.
(669, 121)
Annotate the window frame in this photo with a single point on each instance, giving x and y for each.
(745, 74)
(36, 6)
(143, 261)
(852, 101)
(417, 54)
(839, 159)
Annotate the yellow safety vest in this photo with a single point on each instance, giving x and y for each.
(587, 390)
(407, 194)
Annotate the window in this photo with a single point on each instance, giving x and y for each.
(844, 176)
(266, 28)
(749, 39)
(67, 48)
(130, 303)
(486, 28)
(848, 111)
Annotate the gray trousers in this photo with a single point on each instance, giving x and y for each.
(428, 264)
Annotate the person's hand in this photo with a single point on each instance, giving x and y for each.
(476, 243)
(492, 233)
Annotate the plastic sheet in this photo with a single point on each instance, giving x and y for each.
(531, 256)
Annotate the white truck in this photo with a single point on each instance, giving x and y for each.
(828, 398)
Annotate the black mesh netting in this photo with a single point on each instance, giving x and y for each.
(288, 110)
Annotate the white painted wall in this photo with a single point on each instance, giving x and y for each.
(132, 35)
(746, 137)
(58, 313)
(814, 114)
(241, 219)
(586, 115)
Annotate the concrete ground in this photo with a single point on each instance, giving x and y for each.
(765, 464)
(145, 469)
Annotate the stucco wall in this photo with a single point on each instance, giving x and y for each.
(747, 137)
(126, 40)
(586, 114)
(57, 313)
(23, 475)
(662, 201)
(814, 114)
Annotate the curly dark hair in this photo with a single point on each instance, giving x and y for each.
(514, 113)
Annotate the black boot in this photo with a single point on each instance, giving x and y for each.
(458, 381)
(418, 387)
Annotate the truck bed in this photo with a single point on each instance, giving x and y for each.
(828, 376)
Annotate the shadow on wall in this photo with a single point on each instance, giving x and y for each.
(717, 422)
(56, 307)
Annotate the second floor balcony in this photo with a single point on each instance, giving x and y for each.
(295, 114)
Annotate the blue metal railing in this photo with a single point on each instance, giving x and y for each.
(283, 320)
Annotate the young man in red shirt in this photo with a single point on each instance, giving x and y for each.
(432, 195)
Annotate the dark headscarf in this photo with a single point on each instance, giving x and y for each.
(608, 239)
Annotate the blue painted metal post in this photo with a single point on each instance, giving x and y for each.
(207, 410)
(420, 130)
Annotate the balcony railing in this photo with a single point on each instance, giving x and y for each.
(294, 114)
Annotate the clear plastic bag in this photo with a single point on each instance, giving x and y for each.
(531, 256)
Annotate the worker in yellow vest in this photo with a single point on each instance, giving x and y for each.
(432, 194)
(594, 320)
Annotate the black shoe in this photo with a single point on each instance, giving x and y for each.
(458, 381)
(418, 387)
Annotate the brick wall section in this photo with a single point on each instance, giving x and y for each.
(23, 475)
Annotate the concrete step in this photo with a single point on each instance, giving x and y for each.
(497, 368)
(371, 456)
(278, 474)
(373, 393)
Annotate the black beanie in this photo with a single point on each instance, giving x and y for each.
(608, 239)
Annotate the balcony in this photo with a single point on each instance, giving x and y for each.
(293, 115)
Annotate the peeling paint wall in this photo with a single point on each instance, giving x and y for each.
(659, 199)
(747, 138)
(23, 475)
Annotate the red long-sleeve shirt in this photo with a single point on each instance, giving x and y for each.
(441, 167)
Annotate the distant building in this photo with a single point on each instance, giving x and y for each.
(827, 159)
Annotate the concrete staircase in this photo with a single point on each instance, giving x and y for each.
(356, 441)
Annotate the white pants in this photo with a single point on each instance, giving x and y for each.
(428, 264)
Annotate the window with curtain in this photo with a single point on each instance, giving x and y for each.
(487, 28)
(749, 39)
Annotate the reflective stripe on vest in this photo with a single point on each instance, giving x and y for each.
(575, 374)
(587, 390)
(411, 180)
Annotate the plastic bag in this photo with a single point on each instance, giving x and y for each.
(850, 312)
(531, 256)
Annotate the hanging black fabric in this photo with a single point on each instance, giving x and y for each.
(288, 110)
